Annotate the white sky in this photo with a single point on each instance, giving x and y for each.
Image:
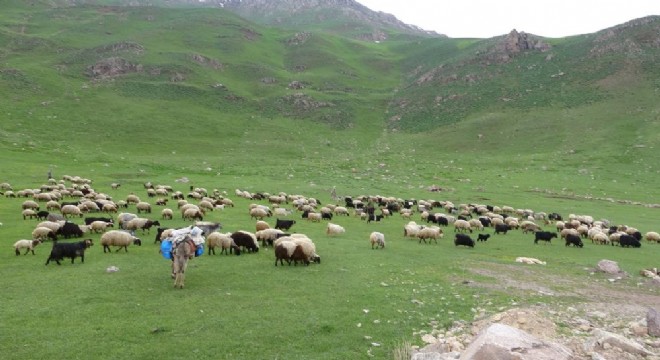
(488, 18)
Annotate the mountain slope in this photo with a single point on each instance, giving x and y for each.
(202, 85)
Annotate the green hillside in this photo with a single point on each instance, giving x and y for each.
(161, 87)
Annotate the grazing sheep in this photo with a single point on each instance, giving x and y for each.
(193, 214)
(411, 229)
(245, 240)
(284, 250)
(29, 245)
(282, 212)
(431, 233)
(314, 217)
(377, 239)
(600, 238)
(71, 210)
(143, 206)
(258, 213)
(652, 236)
(140, 224)
(462, 226)
(132, 199)
(99, 226)
(29, 213)
(268, 236)
(261, 225)
(167, 214)
(629, 241)
(223, 241)
(308, 248)
(69, 250)
(44, 233)
(334, 229)
(572, 239)
(29, 204)
(119, 238)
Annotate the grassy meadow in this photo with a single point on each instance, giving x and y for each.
(211, 102)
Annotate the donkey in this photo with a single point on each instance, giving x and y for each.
(184, 251)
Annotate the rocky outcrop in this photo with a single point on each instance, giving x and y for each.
(499, 341)
(111, 67)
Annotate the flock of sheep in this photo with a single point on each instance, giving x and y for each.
(59, 203)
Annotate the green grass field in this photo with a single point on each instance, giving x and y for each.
(245, 307)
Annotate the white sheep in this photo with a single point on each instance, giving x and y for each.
(53, 225)
(29, 245)
(109, 208)
(411, 229)
(99, 226)
(652, 236)
(462, 226)
(431, 233)
(261, 225)
(334, 229)
(132, 199)
(193, 214)
(268, 236)
(167, 214)
(29, 213)
(314, 217)
(258, 213)
(139, 223)
(282, 212)
(377, 239)
(29, 204)
(143, 206)
(600, 238)
(340, 210)
(119, 238)
(71, 210)
(223, 241)
(43, 233)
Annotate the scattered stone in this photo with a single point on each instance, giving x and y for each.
(608, 266)
(607, 340)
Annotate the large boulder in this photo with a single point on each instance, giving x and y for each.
(503, 342)
(608, 266)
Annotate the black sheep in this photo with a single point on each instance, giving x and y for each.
(284, 224)
(69, 250)
(629, 241)
(572, 239)
(483, 237)
(69, 230)
(544, 236)
(463, 239)
(502, 228)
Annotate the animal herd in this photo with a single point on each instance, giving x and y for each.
(58, 204)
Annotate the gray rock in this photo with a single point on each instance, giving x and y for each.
(607, 339)
(608, 266)
(653, 322)
(504, 342)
